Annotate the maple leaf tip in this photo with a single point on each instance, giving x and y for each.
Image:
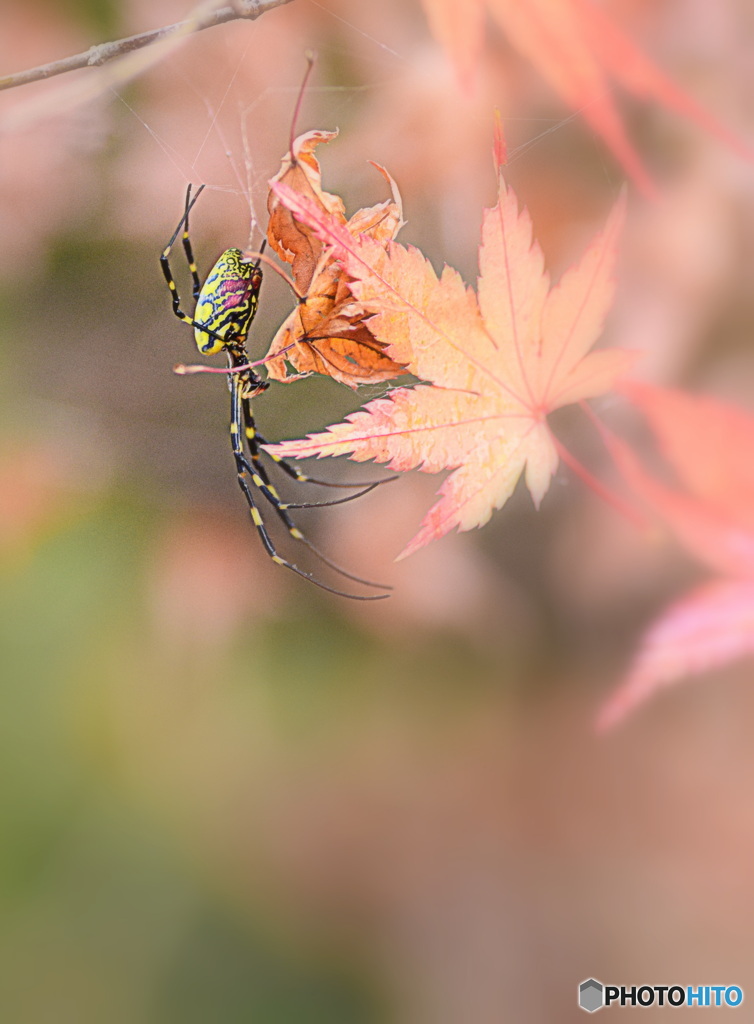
(422, 538)
(409, 549)
(499, 147)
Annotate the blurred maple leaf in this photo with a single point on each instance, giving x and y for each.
(495, 366)
(326, 333)
(708, 444)
(578, 49)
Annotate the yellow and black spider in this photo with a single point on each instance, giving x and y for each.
(224, 307)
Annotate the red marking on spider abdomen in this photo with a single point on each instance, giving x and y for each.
(234, 293)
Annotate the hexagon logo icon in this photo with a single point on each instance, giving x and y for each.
(591, 995)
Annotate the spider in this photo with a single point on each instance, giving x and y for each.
(224, 307)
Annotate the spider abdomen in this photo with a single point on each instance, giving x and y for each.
(227, 302)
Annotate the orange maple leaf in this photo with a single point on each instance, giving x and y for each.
(496, 364)
(579, 50)
(326, 333)
(710, 509)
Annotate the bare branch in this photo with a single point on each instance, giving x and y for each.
(104, 52)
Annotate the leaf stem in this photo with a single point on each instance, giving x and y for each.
(619, 504)
(184, 369)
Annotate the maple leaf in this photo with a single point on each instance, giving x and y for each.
(459, 28)
(709, 627)
(711, 510)
(579, 50)
(326, 333)
(496, 365)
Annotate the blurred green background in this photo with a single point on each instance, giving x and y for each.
(226, 796)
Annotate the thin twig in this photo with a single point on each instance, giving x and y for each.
(95, 56)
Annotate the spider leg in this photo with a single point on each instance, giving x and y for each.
(243, 482)
(295, 473)
(165, 259)
(253, 439)
(196, 282)
(260, 479)
(327, 504)
(193, 270)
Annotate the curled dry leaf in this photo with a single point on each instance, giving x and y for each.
(294, 242)
(496, 363)
(327, 332)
